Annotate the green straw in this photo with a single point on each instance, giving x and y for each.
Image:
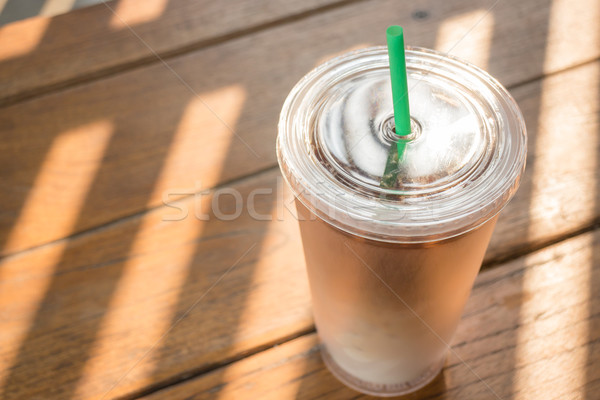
(395, 42)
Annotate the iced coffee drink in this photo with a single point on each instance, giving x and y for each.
(393, 245)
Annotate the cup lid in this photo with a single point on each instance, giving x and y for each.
(460, 165)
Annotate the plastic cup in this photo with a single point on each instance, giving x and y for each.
(393, 246)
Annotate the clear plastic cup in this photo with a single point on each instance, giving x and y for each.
(393, 243)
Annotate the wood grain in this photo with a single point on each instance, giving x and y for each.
(41, 54)
(78, 314)
(91, 317)
(158, 137)
(103, 299)
(531, 331)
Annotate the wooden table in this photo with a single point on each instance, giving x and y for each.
(116, 119)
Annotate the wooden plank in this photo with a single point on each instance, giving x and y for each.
(42, 54)
(531, 331)
(39, 54)
(131, 150)
(77, 315)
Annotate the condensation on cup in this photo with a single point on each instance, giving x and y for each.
(393, 243)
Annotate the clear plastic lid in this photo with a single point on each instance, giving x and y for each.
(461, 164)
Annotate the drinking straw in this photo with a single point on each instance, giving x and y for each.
(395, 42)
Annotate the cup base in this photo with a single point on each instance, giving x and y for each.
(381, 390)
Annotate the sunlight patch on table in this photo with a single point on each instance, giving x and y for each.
(278, 299)
(24, 37)
(55, 7)
(553, 321)
(563, 178)
(132, 13)
(65, 177)
(468, 36)
(201, 127)
(20, 296)
(570, 18)
(158, 265)
(142, 308)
